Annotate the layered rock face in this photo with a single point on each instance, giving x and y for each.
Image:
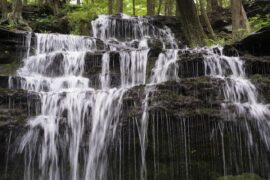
(184, 113)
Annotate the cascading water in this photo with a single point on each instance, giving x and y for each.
(239, 91)
(241, 99)
(79, 124)
(72, 112)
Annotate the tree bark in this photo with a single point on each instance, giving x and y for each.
(206, 19)
(55, 7)
(150, 7)
(168, 7)
(159, 7)
(119, 6)
(239, 18)
(214, 5)
(134, 7)
(220, 3)
(110, 6)
(16, 14)
(190, 21)
(209, 5)
(78, 2)
(3, 4)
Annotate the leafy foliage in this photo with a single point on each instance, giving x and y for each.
(257, 22)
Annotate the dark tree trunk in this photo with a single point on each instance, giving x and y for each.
(134, 7)
(215, 5)
(150, 7)
(190, 21)
(55, 6)
(209, 5)
(119, 6)
(110, 6)
(206, 19)
(78, 2)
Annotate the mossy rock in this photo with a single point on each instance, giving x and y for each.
(8, 69)
(245, 176)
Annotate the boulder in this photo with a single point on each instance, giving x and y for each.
(257, 44)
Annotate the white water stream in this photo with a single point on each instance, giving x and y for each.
(72, 112)
(78, 123)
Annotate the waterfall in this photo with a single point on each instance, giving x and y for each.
(77, 120)
(239, 91)
(79, 126)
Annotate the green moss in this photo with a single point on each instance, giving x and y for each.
(261, 79)
(8, 69)
(262, 83)
(245, 176)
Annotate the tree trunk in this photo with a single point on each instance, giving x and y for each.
(239, 18)
(190, 21)
(209, 5)
(168, 7)
(78, 2)
(55, 7)
(220, 3)
(159, 7)
(150, 7)
(134, 7)
(110, 6)
(16, 14)
(119, 6)
(206, 19)
(3, 4)
(214, 5)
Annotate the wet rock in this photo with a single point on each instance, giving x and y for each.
(93, 67)
(256, 44)
(191, 64)
(190, 112)
(16, 106)
(12, 49)
(262, 83)
(156, 47)
(256, 65)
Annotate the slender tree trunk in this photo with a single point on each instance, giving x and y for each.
(190, 21)
(3, 4)
(134, 7)
(220, 3)
(209, 5)
(168, 7)
(78, 2)
(239, 18)
(150, 7)
(119, 6)
(55, 7)
(206, 19)
(110, 6)
(159, 7)
(214, 5)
